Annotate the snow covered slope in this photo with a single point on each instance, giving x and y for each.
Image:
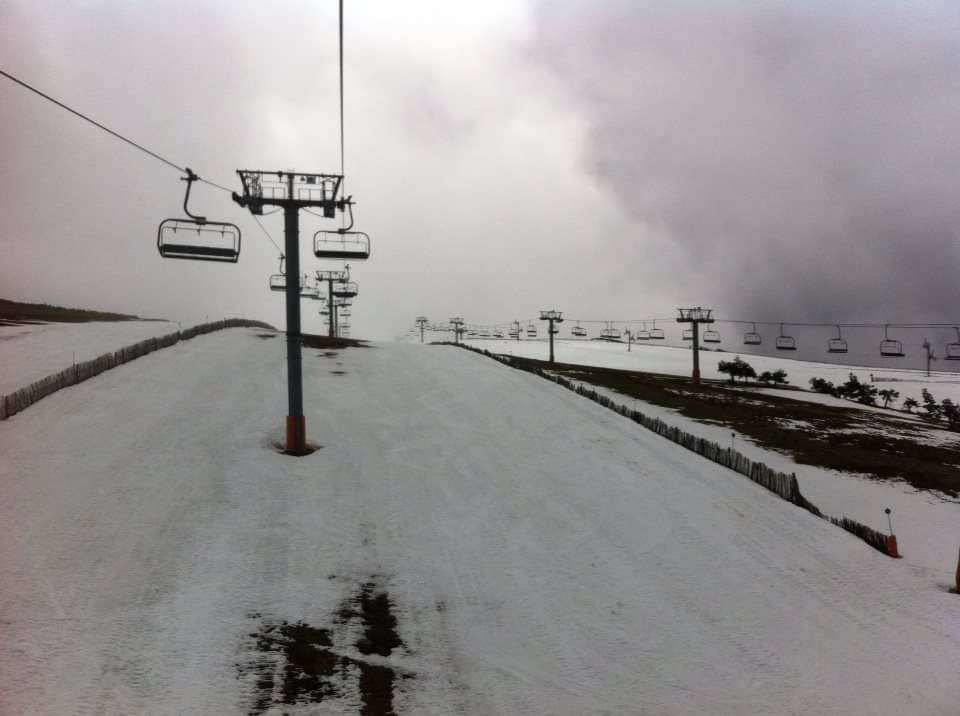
(655, 358)
(544, 555)
(30, 352)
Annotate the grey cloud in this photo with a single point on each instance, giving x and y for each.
(803, 154)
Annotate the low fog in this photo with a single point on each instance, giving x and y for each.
(778, 161)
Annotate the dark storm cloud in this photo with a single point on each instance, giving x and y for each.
(803, 154)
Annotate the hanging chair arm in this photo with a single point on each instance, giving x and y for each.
(190, 178)
(348, 204)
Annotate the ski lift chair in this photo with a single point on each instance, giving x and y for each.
(278, 282)
(890, 348)
(341, 245)
(642, 335)
(346, 289)
(752, 338)
(711, 336)
(785, 342)
(687, 334)
(952, 351)
(657, 334)
(196, 238)
(838, 344)
(531, 331)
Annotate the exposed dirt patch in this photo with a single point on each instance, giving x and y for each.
(299, 664)
(279, 446)
(314, 341)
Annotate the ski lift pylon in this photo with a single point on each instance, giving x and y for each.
(195, 238)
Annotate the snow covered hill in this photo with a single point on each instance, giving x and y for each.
(656, 358)
(32, 351)
(539, 554)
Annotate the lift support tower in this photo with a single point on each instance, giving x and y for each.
(292, 191)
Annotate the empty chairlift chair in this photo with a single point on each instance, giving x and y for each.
(952, 351)
(195, 238)
(346, 289)
(890, 348)
(711, 335)
(342, 245)
(687, 334)
(577, 331)
(752, 338)
(642, 335)
(531, 331)
(785, 342)
(657, 334)
(838, 344)
(278, 281)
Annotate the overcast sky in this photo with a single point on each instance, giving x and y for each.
(781, 161)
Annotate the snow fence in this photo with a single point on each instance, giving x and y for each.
(783, 484)
(19, 400)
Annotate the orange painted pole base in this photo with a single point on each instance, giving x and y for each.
(892, 547)
(296, 434)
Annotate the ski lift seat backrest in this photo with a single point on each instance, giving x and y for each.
(786, 343)
(642, 335)
(657, 334)
(711, 336)
(752, 339)
(198, 240)
(343, 245)
(952, 351)
(278, 282)
(837, 345)
(891, 348)
(348, 289)
(687, 334)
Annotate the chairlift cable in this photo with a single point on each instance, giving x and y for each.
(267, 234)
(343, 180)
(106, 129)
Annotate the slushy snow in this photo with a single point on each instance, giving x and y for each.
(545, 555)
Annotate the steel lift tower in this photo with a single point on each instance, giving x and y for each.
(695, 316)
(292, 191)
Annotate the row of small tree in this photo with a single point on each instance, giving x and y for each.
(739, 368)
(855, 390)
(866, 394)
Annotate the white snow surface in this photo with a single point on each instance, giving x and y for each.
(30, 352)
(546, 556)
(925, 522)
